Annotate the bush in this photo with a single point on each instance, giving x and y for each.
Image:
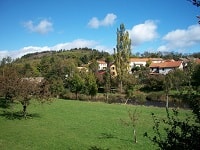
(156, 96)
(116, 98)
(140, 97)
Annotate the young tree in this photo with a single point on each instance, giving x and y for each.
(91, 85)
(26, 89)
(133, 117)
(76, 83)
(167, 87)
(122, 54)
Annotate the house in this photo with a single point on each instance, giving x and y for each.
(113, 71)
(102, 64)
(197, 61)
(156, 60)
(85, 69)
(165, 67)
(139, 62)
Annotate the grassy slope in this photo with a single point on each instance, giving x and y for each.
(76, 125)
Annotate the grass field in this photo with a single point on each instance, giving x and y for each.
(76, 125)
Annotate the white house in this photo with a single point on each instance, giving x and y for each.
(139, 62)
(102, 65)
(165, 67)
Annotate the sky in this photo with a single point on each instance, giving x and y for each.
(28, 26)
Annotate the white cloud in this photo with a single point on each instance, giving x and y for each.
(43, 27)
(143, 32)
(78, 43)
(3, 54)
(181, 39)
(107, 21)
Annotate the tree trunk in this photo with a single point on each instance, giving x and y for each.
(167, 100)
(134, 136)
(126, 101)
(76, 95)
(121, 86)
(107, 97)
(24, 110)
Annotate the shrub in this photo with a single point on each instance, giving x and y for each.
(156, 96)
(140, 97)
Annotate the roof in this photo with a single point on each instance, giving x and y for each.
(156, 59)
(144, 59)
(198, 60)
(138, 59)
(101, 62)
(166, 64)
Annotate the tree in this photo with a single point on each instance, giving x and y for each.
(27, 70)
(76, 83)
(153, 82)
(26, 89)
(4, 61)
(133, 117)
(122, 54)
(195, 76)
(167, 87)
(179, 133)
(9, 81)
(179, 79)
(93, 67)
(90, 84)
(16, 88)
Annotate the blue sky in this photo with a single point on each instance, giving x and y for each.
(154, 25)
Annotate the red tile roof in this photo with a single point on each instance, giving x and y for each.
(101, 62)
(166, 64)
(198, 60)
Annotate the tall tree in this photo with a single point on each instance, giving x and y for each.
(122, 54)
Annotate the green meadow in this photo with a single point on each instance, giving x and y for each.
(76, 125)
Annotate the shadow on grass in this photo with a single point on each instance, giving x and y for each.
(4, 103)
(17, 115)
(107, 136)
(97, 148)
(111, 136)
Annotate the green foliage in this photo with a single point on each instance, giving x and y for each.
(9, 82)
(156, 96)
(76, 83)
(153, 83)
(180, 134)
(195, 75)
(90, 84)
(15, 88)
(93, 67)
(122, 54)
